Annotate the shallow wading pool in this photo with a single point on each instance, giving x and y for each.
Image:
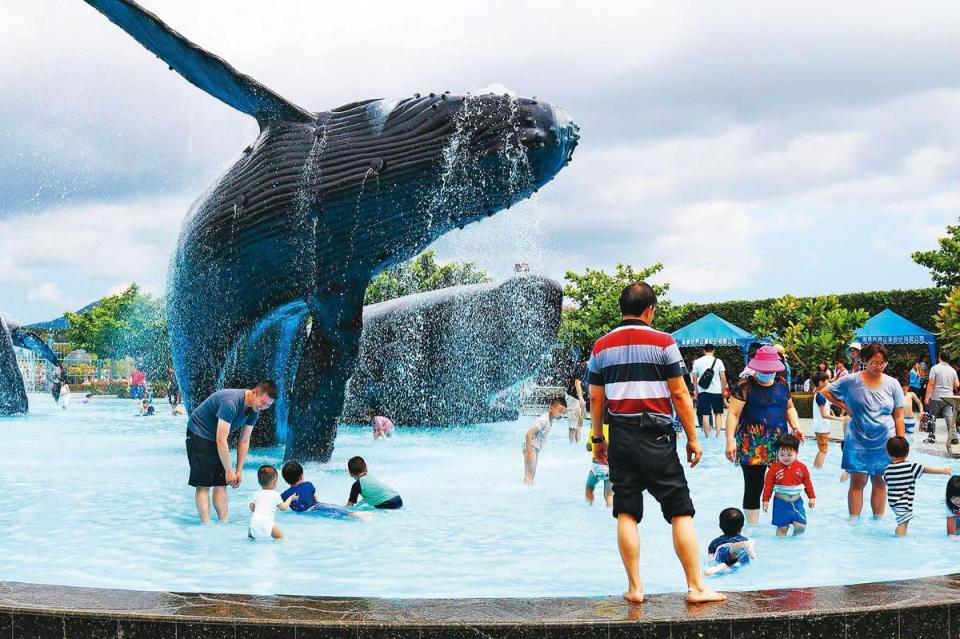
(94, 496)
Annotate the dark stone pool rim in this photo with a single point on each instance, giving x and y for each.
(914, 609)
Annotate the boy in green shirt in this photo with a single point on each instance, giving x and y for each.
(374, 492)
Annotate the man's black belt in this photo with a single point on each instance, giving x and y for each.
(657, 421)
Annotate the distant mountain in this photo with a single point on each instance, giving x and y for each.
(60, 324)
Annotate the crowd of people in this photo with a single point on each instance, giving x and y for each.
(642, 398)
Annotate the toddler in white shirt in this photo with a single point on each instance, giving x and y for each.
(264, 504)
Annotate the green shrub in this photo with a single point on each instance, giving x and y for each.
(803, 402)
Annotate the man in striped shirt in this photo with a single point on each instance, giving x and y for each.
(636, 376)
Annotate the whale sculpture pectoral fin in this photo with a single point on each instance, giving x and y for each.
(198, 66)
(326, 363)
(30, 340)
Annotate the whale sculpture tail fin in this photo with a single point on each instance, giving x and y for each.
(201, 68)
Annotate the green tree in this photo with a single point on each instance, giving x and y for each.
(422, 273)
(947, 321)
(130, 323)
(944, 263)
(596, 298)
(811, 330)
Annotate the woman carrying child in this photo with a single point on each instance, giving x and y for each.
(760, 411)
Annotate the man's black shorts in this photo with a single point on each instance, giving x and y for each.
(709, 404)
(206, 469)
(644, 457)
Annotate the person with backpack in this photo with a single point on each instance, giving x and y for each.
(709, 384)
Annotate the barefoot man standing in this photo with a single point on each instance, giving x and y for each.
(208, 453)
(635, 373)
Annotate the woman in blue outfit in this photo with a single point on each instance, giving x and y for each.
(875, 403)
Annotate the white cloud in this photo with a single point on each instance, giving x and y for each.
(48, 292)
(743, 154)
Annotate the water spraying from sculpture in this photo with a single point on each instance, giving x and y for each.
(273, 261)
(13, 396)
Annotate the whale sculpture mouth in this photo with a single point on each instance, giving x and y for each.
(273, 261)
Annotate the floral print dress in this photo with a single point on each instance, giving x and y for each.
(762, 420)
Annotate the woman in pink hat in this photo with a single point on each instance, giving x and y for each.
(760, 411)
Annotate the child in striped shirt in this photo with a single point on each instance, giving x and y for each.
(901, 478)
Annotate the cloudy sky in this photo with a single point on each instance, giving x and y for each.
(754, 148)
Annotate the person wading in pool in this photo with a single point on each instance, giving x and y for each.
(209, 426)
(636, 377)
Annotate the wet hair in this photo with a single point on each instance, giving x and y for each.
(872, 349)
(817, 377)
(356, 465)
(291, 471)
(558, 400)
(731, 521)
(637, 298)
(709, 348)
(898, 447)
(953, 490)
(267, 386)
(151, 410)
(788, 442)
(266, 475)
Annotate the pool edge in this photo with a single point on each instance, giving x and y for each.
(912, 608)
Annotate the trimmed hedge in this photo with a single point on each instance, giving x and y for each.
(120, 389)
(917, 305)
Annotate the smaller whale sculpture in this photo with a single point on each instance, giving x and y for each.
(13, 395)
(440, 358)
(431, 359)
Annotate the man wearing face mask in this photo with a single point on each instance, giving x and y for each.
(760, 411)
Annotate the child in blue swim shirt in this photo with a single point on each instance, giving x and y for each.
(731, 549)
(306, 501)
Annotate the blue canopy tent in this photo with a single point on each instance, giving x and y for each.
(887, 327)
(711, 329)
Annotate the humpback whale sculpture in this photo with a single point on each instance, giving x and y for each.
(273, 261)
(439, 358)
(13, 396)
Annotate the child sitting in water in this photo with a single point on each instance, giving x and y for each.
(306, 501)
(786, 480)
(374, 492)
(953, 507)
(599, 472)
(901, 479)
(264, 504)
(731, 549)
(537, 436)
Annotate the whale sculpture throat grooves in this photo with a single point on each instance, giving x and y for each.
(273, 260)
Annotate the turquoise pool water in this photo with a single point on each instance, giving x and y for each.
(94, 496)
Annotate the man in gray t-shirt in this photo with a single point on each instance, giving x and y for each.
(208, 453)
(943, 382)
